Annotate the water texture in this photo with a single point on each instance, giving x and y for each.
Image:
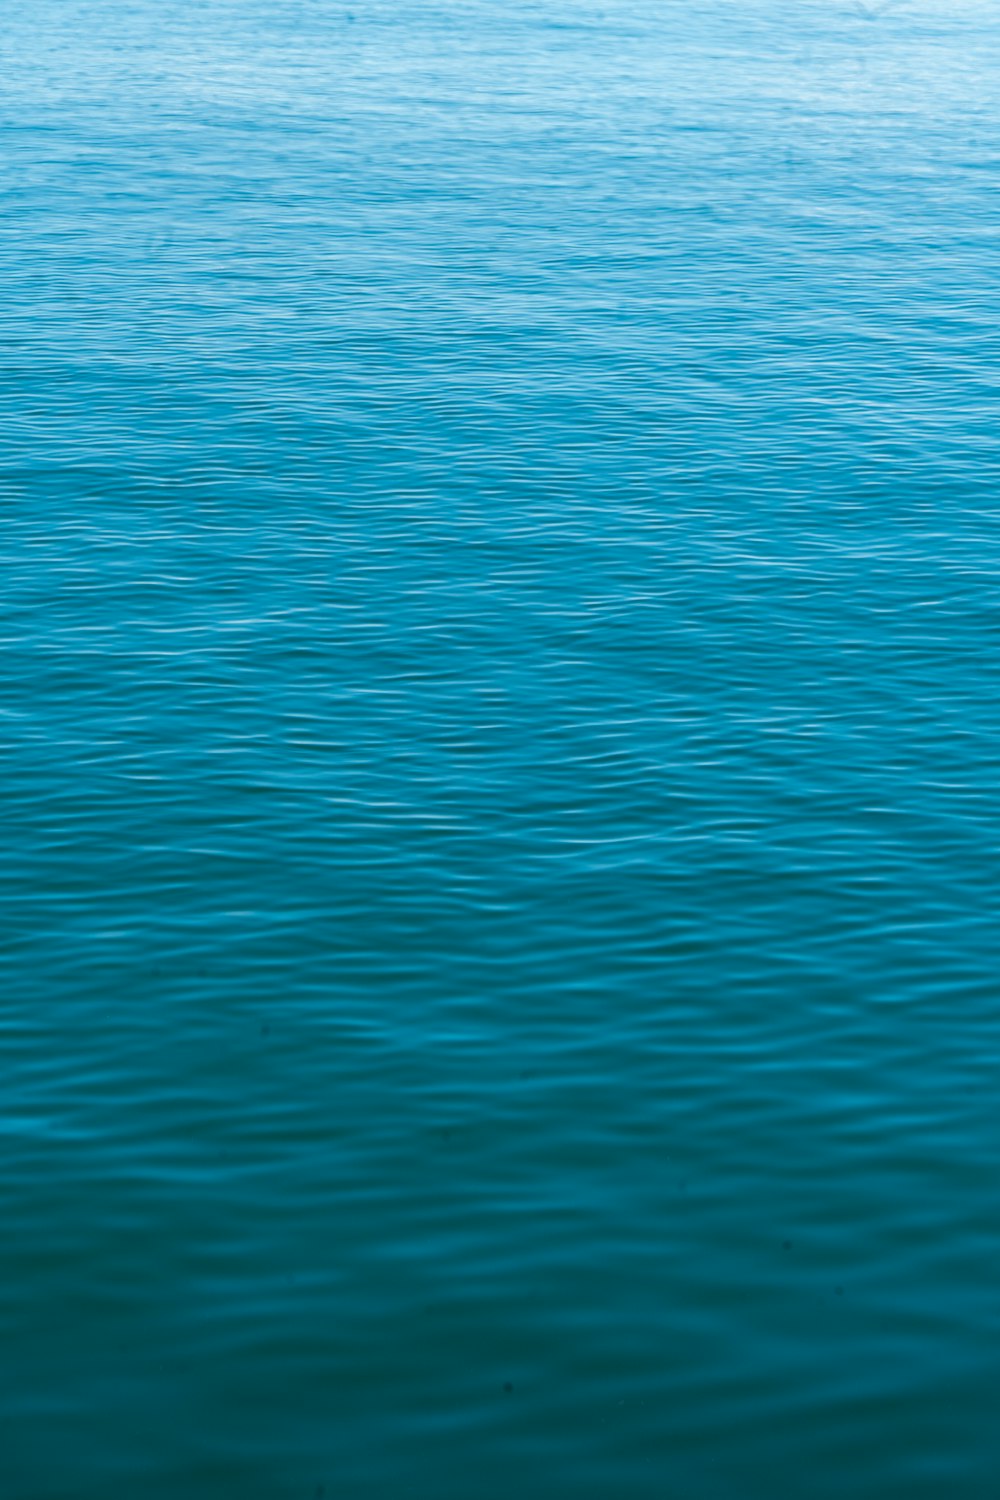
(500, 741)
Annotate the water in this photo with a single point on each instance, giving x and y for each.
(500, 720)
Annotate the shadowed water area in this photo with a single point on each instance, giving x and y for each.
(500, 722)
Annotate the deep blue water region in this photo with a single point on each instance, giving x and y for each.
(500, 708)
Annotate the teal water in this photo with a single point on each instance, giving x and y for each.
(500, 722)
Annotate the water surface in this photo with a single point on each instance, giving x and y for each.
(500, 723)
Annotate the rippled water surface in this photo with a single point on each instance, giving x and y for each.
(500, 747)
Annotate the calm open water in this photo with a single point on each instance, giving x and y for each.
(501, 738)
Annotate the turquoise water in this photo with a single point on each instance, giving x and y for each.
(500, 742)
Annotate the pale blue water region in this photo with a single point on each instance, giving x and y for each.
(501, 739)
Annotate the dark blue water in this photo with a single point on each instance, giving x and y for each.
(501, 737)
